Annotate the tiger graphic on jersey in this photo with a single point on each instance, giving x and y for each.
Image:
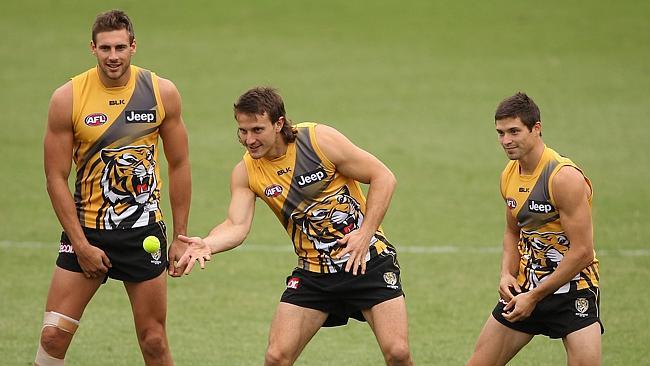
(544, 251)
(129, 185)
(328, 220)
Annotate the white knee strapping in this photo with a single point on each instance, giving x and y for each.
(63, 322)
(44, 359)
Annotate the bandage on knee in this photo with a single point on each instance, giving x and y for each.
(44, 359)
(63, 322)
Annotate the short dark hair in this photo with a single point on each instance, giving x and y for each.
(519, 105)
(263, 99)
(110, 21)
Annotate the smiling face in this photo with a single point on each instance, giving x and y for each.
(516, 139)
(113, 51)
(260, 136)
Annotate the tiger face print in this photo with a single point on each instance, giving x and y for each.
(129, 185)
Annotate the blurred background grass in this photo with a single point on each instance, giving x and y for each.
(416, 83)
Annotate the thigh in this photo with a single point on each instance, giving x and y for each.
(583, 347)
(70, 292)
(148, 302)
(388, 321)
(497, 344)
(292, 328)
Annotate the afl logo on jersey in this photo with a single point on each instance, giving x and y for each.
(95, 119)
(512, 204)
(273, 191)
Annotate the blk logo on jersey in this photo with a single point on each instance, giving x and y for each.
(512, 204)
(95, 119)
(293, 283)
(524, 189)
(273, 191)
(309, 178)
(116, 102)
(284, 171)
(540, 206)
(148, 116)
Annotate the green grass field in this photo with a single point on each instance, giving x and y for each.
(416, 83)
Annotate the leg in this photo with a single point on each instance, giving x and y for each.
(68, 295)
(149, 305)
(497, 344)
(389, 323)
(292, 328)
(583, 346)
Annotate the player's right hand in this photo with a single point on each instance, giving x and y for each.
(507, 286)
(93, 261)
(197, 249)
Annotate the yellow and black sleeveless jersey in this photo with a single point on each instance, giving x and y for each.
(116, 150)
(315, 203)
(542, 241)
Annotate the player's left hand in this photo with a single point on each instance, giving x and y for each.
(197, 250)
(357, 244)
(176, 251)
(519, 307)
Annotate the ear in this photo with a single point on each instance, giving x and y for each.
(538, 128)
(279, 124)
(133, 47)
(93, 48)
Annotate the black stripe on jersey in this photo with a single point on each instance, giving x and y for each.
(306, 161)
(539, 193)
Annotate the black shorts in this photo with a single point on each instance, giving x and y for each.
(130, 262)
(343, 295)
(558, 315)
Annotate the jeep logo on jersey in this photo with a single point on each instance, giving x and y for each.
(95, 119)
(511, 203)
(140, 116)
(312, 177)
(273, 190)
(540, 207)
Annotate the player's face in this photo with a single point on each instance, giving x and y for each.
(515, 138)
(113, 51)
(260, 136)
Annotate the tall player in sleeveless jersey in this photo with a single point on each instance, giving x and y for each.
(549, 271)
(309, 176)
(108, 120)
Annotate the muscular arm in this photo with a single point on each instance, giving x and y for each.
(358, 164)
(175, 144)
(571, 194)
(57, 148)
(232, 231)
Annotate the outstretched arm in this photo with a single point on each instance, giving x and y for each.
(57, 144)
(230, 233)
(175, 143)
(360, 165)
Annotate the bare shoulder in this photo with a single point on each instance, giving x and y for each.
(168, 91)
(62, 95)
(336, 146)
(569, 176)
(60, 111)
(569, 186)
(239, 176)
(327, 134)
(171, 98)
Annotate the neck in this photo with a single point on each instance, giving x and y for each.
(278, 150)
(528, 163)
(114, 83)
